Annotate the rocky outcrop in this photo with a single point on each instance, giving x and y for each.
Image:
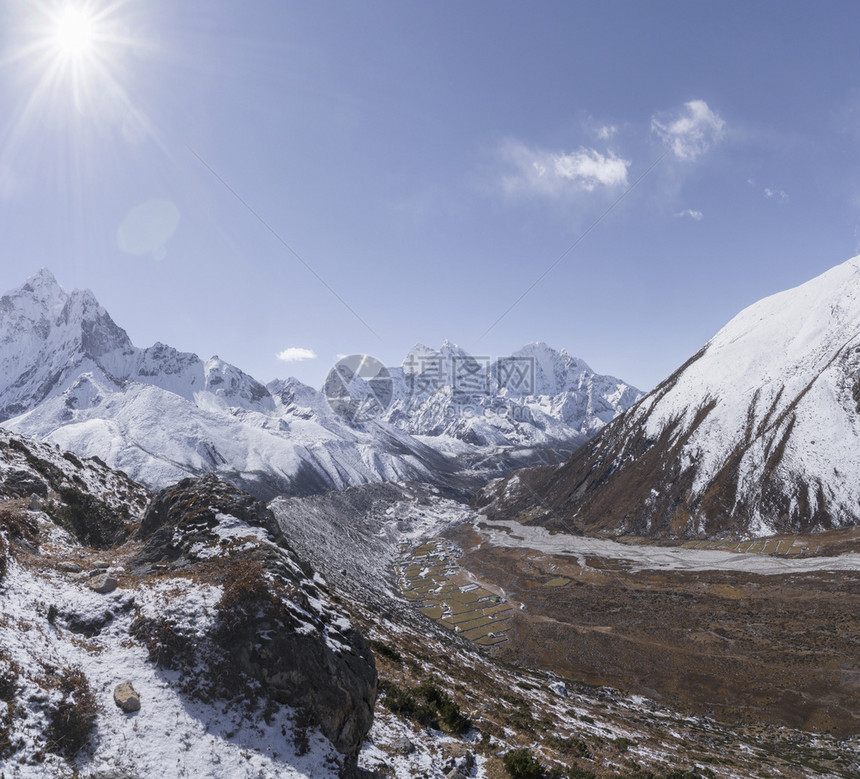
(275, 628)
(193, 506)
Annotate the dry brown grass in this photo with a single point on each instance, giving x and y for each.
(71, 721)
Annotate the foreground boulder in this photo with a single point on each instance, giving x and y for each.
(126, 697)
(275, 633)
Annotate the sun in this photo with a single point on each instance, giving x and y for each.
(76, 33)
(74, 51)
(72, 58)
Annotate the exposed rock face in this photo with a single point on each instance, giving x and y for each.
(758, 433)
(275, 623)
(29, 467)
(21, 484)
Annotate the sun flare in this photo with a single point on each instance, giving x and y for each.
(76, 33)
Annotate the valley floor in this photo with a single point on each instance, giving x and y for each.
(604, 665)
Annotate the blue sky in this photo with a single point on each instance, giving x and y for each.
(429, 162)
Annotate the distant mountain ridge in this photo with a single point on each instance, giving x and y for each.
(70, 375)
(758, 433)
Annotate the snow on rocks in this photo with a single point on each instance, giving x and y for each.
(273, 622)
(242, 663)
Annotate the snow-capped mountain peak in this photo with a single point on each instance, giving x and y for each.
(71, 375)
(756, 434)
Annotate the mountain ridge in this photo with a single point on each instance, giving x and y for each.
(76, 379)
(758, 433)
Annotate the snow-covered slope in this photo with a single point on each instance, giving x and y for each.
(241, 663)
(70, 375)
(757, 433)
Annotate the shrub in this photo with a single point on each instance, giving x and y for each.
(449, 713)
(575, 745)
(88, 519)
(9, 672)
(427, 705)
(6, 748)
(14, 526)
(72, 459)
(521, 764)
(71, 721)
(167, 646)
(50, 471)
(386, 651)
(246, 598)
(523, 720)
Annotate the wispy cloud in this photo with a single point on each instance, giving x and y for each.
(697, 215)
(689, 131)
(296, 354)
(554, 173)
(606, 131)
(776, 194)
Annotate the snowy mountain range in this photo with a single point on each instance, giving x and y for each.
(70, 375)
(757, 433)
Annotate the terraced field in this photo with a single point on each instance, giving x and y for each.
(430, 576)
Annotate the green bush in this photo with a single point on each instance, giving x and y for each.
(427, 705)
(522, 720)
(386, 651)
(521, 764)
(575, 745)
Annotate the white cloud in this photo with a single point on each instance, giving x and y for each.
(554, 173)
(606, 131)
(697, 215)
(776, 194)
(690, 131)
(296, 354)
